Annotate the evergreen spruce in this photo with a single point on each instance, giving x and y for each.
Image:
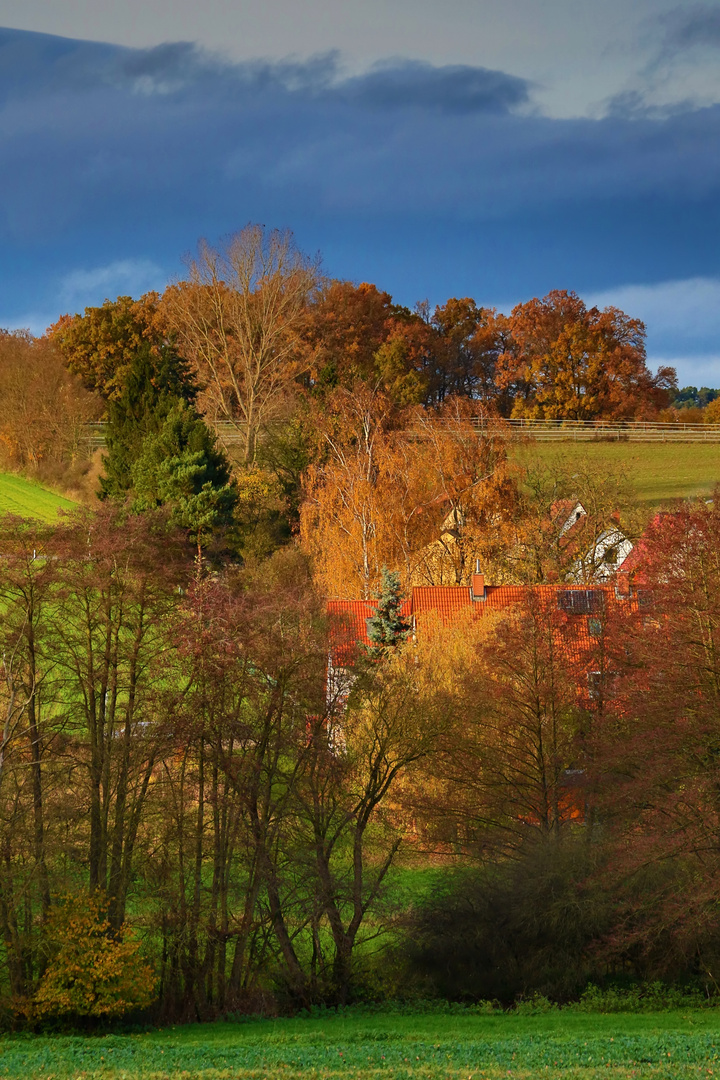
(388, 627)
(158, 380)
(183, 468)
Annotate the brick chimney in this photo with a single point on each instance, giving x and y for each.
(478, 583)
(622, 584)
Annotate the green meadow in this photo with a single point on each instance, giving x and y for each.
(27, 499)
(558, 1045)
(660, 472)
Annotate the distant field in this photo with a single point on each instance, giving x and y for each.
(660, 471)
(382, 1046)
(22, 497)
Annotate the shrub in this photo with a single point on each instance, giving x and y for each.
(644, 997)
(92, 971)
(518, 931)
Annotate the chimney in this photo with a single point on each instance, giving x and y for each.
(478, 583)
(622, 584)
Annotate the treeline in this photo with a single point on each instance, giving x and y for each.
(258, 399)
(260, 328)
(191, 823)
(255, 318)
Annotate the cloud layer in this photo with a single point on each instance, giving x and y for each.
(431, 180)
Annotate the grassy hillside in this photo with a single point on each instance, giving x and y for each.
(426, 1046)
(660, 471)
(23, 497)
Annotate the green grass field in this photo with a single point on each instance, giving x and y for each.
(559, 1045)
(23, 497)
(660, 472)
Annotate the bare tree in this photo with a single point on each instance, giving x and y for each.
(237, 319)
(15, 700)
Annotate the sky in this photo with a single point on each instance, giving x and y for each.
(488, 148)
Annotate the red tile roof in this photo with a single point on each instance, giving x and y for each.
(574, 618)
(447, 601)
(348, 627)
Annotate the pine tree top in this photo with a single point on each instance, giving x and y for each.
(388, 626)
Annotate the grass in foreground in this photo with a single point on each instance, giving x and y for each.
(26, 499)
(660, 472)
(557, 1046)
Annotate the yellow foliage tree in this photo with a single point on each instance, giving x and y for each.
(92, 970)
(387, 483)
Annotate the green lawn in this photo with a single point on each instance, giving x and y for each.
(23, 497)
(660, 471)
(556, 1045)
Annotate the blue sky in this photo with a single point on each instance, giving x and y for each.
(498, 152)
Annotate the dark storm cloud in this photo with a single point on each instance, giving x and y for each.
(33, 64)
(690, 26)
(112, 124)
(451, 89)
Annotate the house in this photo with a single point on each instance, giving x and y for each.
(583, 609)
(603, 549)
(578, 622)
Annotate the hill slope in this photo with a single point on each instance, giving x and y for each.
(26, 499)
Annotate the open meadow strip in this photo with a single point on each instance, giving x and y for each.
(25, 499)
(659, 472)
(560, 1045)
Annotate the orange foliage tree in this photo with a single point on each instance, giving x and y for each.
(101, 345)
(468, 341)
(388, 481)
(45, 409)
(656, 761)
(567, 362)
(504, 770)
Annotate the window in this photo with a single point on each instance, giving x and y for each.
(645, 598)
(580, 601)
(595, 684)
(602, 685)
(594, 627)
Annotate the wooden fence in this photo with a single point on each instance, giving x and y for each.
(543, 430)
(603, 430)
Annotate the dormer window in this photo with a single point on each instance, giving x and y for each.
(580, 601)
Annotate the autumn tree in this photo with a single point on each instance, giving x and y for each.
(348, 802)
(101, 346)
(504, 769)
(468, 341)
(345, 327)
(238, 318)
(93, 971)
(388, 483)
(564, 361)
(465, 463)
(251, 672)
(45, 408)
(656, 771)
(32, 781)
(111, 630)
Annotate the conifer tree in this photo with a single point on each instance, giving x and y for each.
(158, 380)
(388, 627)
(183, 468)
